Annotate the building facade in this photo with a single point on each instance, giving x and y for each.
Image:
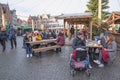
(33, 20)
(5, 15)
(42, 20)
(14, 18)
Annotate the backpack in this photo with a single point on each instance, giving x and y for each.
(105, 55)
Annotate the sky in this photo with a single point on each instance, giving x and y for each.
(24, 8)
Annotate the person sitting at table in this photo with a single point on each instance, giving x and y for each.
(80, 42)
(44, 35)
(33, 34)
(53, 34)
(28, 47)
(38, 37)
(111, 47)
(60, 41)
(49, 35)
(102, 39)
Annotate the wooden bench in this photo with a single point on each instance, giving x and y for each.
(46, 48)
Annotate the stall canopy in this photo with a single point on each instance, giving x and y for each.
(77, 18)
(29, 28)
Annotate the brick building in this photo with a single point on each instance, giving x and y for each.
(35, 21)
(6, 13)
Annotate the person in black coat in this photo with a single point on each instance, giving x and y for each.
(3, 38)
(79, 41)
(71, 32)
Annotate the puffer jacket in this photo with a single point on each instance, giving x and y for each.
(61, 39)
(78, 43)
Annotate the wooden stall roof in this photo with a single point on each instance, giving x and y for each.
(114, 18)
(76, 17)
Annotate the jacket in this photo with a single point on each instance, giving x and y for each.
(112, 50)
(12, 32)
(3, 35)
(78, 43)
(61, 39)
(102, 41)
(38, 37)
(72, 30)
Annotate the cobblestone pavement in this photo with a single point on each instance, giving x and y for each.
(51, 66)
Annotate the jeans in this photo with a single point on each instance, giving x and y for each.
(100, 56)
(3, 44)
(28, 49)
(87, 61)
(13, 40)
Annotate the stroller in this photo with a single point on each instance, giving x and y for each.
(79, 61)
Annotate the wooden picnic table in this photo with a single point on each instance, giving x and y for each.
(43, 48)
(42, 41)
(93, 44)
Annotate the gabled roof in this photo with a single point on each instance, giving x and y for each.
(74, 15)
(116, 18)
(4, 6)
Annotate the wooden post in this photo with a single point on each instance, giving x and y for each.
(113, 25)
(64, 27)
(99, 12)
(68, 30)
(76, 29)
(33, 25)
(36, 24)
(90, 28)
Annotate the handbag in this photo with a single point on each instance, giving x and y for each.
(9, 37)
(105, 54)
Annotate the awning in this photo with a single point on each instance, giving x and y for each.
(29, 28)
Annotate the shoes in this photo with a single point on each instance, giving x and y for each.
(90, 66)
(27, 55)
(31, 55)
(101, 65)
(96, 61)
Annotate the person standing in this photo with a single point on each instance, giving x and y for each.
(71, 32)
(84, 33)
(3, 38)
(12, 34)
